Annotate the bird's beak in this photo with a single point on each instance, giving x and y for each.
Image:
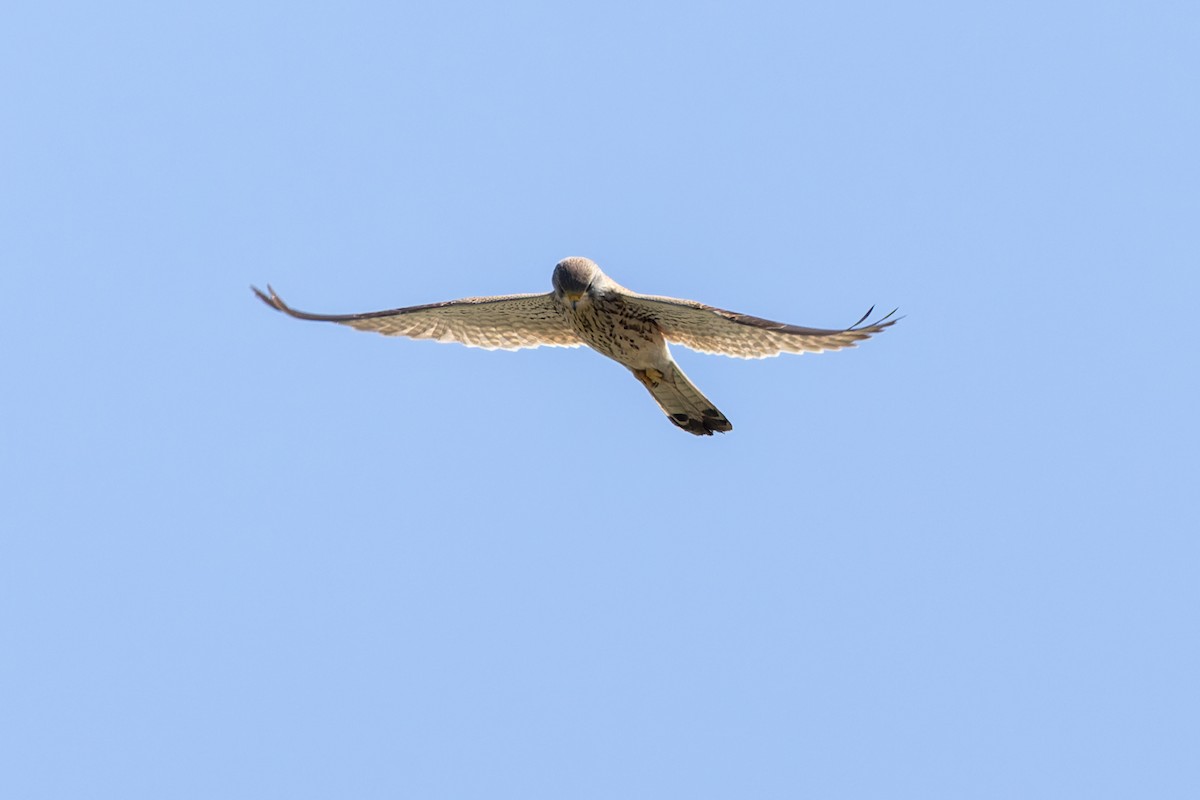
(574, 297)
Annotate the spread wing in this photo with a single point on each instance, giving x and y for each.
(727, 333)
(509, 322)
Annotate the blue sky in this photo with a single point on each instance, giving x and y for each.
(244, 556)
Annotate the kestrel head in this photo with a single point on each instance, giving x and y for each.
(574, 278)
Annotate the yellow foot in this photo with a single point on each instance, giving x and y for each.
(650, 378)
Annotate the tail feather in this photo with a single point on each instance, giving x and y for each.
(682, 401)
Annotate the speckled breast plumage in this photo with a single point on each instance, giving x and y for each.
(611, 327)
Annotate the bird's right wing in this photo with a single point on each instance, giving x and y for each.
(508, 322)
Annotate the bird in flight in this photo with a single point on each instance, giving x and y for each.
(589, 308)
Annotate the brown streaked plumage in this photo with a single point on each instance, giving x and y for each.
(587, 307)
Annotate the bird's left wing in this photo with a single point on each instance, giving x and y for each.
(728, 333)
(508, 322)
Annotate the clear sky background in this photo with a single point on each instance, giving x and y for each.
(245, 556)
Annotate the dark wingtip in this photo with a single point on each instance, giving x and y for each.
(862, 319)
(885, 321)
(270, 298)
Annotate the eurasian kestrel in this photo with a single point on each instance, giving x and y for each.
(589, 308)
